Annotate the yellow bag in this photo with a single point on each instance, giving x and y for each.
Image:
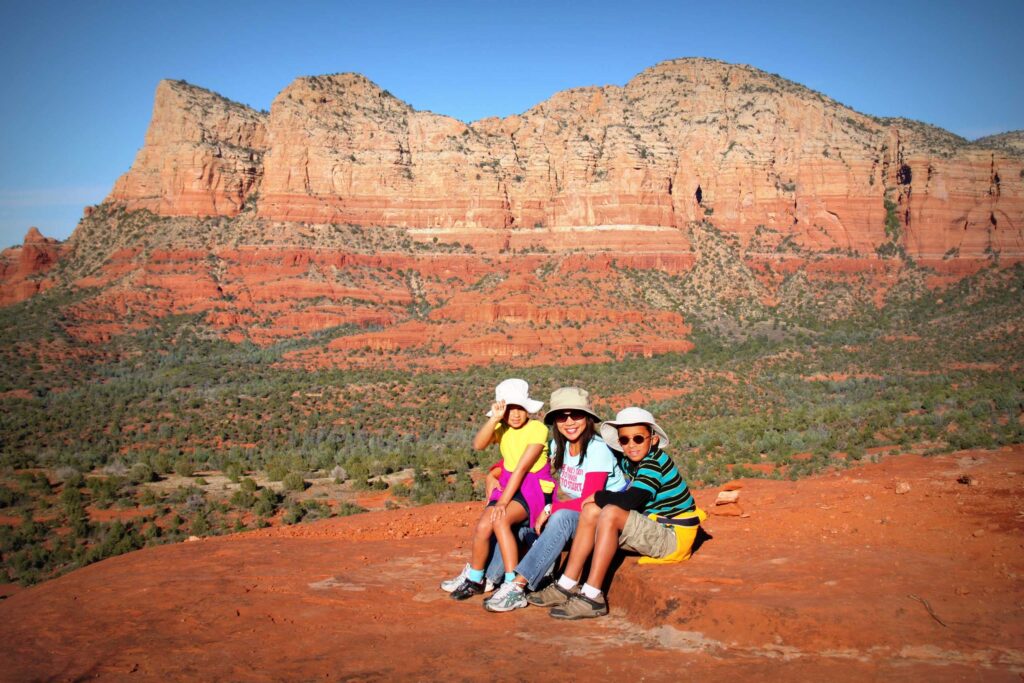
(685, 536)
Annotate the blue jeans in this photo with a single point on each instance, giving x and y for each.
(495, 570)
(538, 561)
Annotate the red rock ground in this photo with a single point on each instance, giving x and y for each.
(908, 569)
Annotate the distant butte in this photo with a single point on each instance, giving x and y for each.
(417, 241)
(683, 140)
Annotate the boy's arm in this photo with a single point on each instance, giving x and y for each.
(592, 483)
(633, 498)
(640, 493)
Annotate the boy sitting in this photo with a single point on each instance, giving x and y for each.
(656, 517)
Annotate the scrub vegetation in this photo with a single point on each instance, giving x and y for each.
(171, 432)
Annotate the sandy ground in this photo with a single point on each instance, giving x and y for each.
(908, 569)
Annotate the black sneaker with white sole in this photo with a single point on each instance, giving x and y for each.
(467, 590)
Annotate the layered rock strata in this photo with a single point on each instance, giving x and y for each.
(685, 140)
(203, 155)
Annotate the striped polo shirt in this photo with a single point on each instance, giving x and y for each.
(659, 476)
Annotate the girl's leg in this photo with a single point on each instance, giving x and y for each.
(514, 514)
(482, 541)
(583, 543)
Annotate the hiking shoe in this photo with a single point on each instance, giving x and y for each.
(467, 589)
(552, 595)
(451, 584)
(580, 606)
(508, 597)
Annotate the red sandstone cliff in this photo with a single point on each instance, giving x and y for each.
(685, 139)
(22, 269)
(202, 155)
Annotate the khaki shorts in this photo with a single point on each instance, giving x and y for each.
(647, 537)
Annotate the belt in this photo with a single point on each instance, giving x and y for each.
(691, 519)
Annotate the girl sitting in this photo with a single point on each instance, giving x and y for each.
(524, 485)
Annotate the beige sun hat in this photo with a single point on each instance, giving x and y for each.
(631, 416)
(516, 392)
(569, 398)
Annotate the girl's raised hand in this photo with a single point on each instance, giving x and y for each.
(497, 410)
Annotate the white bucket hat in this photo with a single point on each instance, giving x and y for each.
(631, 416)
(516, 392)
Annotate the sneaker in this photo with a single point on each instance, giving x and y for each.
(467, 589)
(451, 584)
(552, 595)
(507, 598)
(580, 606)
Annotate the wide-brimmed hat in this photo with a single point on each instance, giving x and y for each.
(569, 398)
(631, 416)
(516, 392)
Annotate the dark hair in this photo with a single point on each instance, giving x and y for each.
(561, 443)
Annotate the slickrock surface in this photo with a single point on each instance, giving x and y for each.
(908, 569)
(683, 140)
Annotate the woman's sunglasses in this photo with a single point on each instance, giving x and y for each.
(636, 438)
(574, 415)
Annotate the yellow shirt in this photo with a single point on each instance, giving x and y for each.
(513, 442)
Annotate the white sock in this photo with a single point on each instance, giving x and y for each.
(567, 583)
(590, 591)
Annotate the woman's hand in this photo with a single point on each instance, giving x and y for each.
(541, 520)
(498, 511)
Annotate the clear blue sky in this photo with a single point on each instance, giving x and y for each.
(78, 77)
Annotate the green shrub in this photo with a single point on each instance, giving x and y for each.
(293, 481)
(184, 467)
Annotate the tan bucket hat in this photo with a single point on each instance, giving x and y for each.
(569, 398)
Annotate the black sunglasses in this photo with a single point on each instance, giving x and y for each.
(573, 415)
(636, 438)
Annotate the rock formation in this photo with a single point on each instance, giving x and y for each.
(22, 269)
(684, 140)
(202, 155)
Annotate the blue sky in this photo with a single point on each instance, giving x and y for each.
(78, 77)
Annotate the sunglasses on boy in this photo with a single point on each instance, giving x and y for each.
(574, 415)
(636, 438)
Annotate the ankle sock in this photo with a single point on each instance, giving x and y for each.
(475, 575)
(567, 583)
(590, 591)
(510, 577)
